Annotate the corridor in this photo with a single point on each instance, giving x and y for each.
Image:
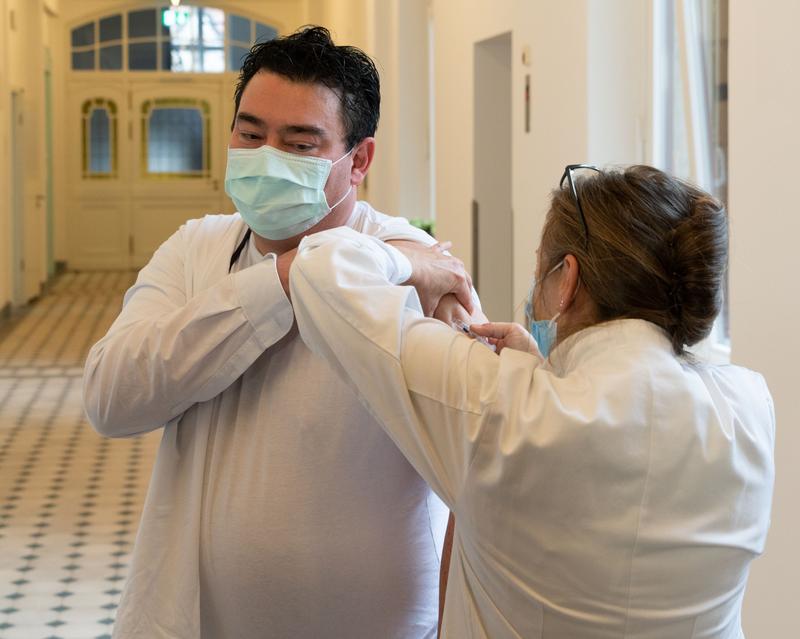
(118, 121)
(70, 500)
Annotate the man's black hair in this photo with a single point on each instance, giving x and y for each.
(310, 56)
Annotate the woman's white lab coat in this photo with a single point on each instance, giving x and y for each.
(612, 491)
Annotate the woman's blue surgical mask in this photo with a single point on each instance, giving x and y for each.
(543, 331)
(278, 194)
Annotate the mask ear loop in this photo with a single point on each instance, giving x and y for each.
(352, 148)
(527, 302)
(330, 208)
(344, 197)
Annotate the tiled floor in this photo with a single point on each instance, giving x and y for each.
(69, 500)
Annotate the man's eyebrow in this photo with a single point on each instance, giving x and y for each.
(252, 119)
(285, 130)
(304, 128)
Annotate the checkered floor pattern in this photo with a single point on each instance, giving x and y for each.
(70, 500)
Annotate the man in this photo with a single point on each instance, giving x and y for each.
(277, 506)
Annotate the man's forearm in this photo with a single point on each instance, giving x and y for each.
(160, 358)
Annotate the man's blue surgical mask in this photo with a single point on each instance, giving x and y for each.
(278, 194)
(543, 331)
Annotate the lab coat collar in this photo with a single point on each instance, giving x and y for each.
(596, 340)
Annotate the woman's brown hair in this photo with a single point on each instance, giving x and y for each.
(657, 248)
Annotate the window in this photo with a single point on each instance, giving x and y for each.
(690, 100)
(180, 39)
(142, 40)
(99, 136)
(197, 42)
(175, 138)
(83, 47)
(241, 34)
(110, 43)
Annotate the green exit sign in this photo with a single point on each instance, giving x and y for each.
(176, 16)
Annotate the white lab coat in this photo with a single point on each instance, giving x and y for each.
(613, 490)
(277, 507)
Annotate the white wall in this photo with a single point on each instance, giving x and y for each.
(30, 73)
(59, 43)
(764, 101)
(413, 101)
(5, 151)
(399, 181)
(22, 48)
(347, 20)
(383, 182)
(618, 81)
(588, 68)
(23, 71)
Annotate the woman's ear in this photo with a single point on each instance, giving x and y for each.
(362, 159)
(569, 282)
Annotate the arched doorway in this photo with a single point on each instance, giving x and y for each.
(149, 106)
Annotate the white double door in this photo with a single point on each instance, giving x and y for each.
(164, 148)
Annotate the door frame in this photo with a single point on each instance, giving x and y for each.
(49, 168)
(17, 192)
(492, 214)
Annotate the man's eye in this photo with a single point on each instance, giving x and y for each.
(248, 136)
(302, 147)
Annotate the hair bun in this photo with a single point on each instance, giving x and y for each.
(699, 246)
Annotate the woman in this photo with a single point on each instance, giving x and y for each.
(604, 484)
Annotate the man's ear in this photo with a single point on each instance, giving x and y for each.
(363, 153)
